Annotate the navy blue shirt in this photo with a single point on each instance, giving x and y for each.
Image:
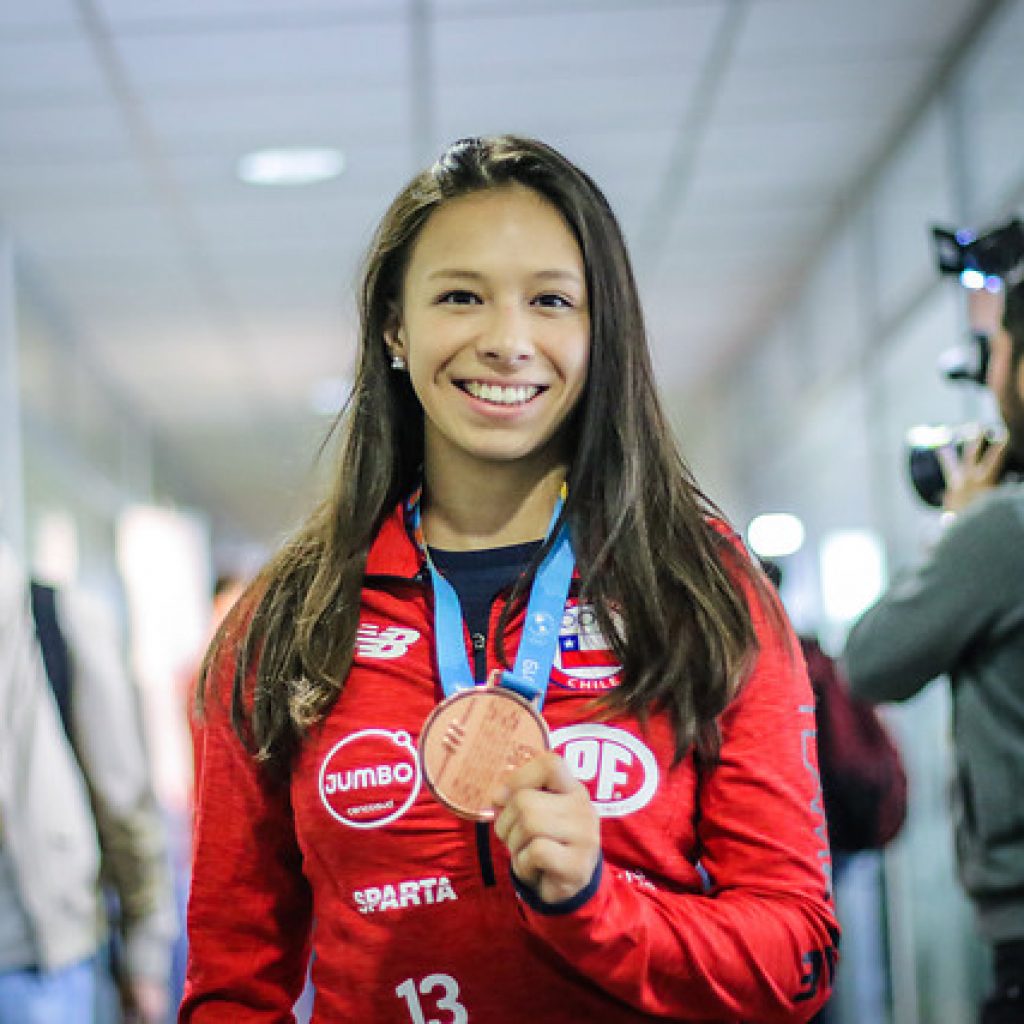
(479, 576)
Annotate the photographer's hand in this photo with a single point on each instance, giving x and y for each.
(973, 475)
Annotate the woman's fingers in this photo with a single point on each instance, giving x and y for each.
(547, 822)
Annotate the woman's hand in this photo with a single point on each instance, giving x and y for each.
(546, 820)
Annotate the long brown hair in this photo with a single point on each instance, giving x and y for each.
(641, 528)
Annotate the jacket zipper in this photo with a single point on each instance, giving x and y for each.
(479, 645)
(483, 828)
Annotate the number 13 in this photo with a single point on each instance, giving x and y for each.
(447, 1001)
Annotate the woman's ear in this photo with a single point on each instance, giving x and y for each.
(394, 342)
(394, 335)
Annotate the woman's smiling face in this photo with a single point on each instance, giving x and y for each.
(494, 326)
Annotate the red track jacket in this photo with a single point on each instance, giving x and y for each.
(711, 904)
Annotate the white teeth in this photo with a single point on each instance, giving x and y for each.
(501, 395)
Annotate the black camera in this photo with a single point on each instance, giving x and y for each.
(924, 445)
(996, 253)
(990, 260)
(967, 362)
(993, 259)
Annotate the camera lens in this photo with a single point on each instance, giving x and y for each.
(924, 444)
(926, 474)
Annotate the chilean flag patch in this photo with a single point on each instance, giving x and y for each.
(584, 659)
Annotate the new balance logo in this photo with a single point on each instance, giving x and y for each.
(373, 641)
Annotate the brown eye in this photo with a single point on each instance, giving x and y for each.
(458, 297)
(551, 300)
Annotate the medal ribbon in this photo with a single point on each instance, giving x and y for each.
(544, 610)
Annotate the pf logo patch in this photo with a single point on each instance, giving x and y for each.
(370, 778)
(619, 771)
(584, 659)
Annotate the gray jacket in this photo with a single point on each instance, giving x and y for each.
(961, 613)
(48, 833)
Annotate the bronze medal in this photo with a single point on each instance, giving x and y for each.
(471, 740)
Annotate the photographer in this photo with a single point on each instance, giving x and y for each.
(961, 613)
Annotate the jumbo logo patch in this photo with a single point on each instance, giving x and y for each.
(584, 659)
(619, 771)
(370, 778)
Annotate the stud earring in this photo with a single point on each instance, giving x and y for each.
(397, 361)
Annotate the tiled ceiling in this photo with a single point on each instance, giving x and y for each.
(725, 132)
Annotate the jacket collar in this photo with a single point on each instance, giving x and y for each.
(393, 551)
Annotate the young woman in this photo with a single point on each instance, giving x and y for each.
(511, 730)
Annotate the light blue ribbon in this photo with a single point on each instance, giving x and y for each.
(544, 610)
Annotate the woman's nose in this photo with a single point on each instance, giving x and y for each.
(507, 337)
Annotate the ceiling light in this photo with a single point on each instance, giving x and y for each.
(775, 534)
(852, 566)
(972, 279)
(291, 166)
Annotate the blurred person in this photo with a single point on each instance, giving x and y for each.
(77, 817)
(508, 487)
(960, 613)
(863, 782)
(49, 858)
